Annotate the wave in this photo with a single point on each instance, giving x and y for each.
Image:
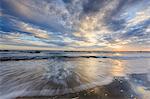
(48, 78)
(16, 58)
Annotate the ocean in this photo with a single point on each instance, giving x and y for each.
(74, 75)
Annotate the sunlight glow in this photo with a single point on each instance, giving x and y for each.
(118, 68)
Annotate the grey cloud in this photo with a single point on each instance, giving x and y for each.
(91, 6)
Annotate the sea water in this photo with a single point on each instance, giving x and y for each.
(107, 75)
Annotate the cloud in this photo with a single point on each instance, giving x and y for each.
(75, 23)
(21, 39)
(139, 17)
(35, 31)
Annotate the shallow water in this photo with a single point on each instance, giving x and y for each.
(106, 76)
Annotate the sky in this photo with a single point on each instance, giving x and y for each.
(75, 24)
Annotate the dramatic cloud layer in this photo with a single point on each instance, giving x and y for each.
(75, 24)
